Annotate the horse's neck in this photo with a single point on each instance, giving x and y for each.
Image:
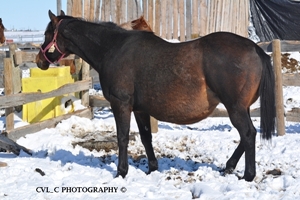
(91, 41)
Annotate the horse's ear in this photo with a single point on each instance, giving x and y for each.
(62, 13)
(53, 18)
(0, 20)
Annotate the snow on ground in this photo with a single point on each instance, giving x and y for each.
(189, 156)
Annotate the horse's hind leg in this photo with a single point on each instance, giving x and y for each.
(241, 120)
(143, 122)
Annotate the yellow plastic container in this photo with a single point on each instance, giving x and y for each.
(45, 81)
(52, 71)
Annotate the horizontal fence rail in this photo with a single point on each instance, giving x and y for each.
(23, 37)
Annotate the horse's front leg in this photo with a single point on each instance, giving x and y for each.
(122, 115)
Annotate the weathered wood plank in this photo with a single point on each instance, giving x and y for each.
(130, 10)
(150, 14)
(175, 19)
(280, 123)
(70, 7)
(8, 85)
(195, 32)
(169, 19)
(188, 19)
(113, 10)
(97, 11)
(22, 98)
(16, 133)
(85, 76)
(98, 101)
(291, 79)
(153, 125)
(92, 10)
(157, 27)
(163, 20)
(218, 112)
(77, 8)
(106, 10)
(145, 9)
(12, 146)
(286, 46)
(181, 20)
(293, 115)
(86, 9)
(203, 18)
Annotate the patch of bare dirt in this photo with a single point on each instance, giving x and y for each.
(289, 65)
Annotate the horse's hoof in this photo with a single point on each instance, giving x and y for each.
(119, 174)
(226, 171)
(248, 178)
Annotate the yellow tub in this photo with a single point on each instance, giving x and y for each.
(45, 81)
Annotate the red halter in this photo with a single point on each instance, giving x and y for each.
(53, 44)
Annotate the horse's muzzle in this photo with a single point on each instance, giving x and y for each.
(3, 40)
(41, 62)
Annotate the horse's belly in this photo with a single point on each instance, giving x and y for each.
(187, 117)
(186, 111)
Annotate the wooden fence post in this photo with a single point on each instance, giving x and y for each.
(58, 6)
(153, 124)
(188, 19)
(85, 76)
(175, 19)
(280, 124)
(181, 20)
(8, 85)
(69, 7)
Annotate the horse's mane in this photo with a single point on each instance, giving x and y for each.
(1, 24)
(106, 24)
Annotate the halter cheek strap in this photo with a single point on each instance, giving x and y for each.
(50, 48)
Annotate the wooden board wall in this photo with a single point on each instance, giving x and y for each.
(170, 19)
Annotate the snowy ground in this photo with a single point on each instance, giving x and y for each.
(189, 159)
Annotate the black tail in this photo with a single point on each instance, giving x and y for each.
(267, 97)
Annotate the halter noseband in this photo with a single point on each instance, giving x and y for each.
(52, 46)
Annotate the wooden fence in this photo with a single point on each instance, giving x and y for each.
(170, 19)
(13, 97)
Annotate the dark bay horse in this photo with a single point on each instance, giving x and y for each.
(2, 28)
(180, 83)
(137, 24)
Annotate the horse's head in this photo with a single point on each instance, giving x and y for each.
(2, 28)
(54, 47)
(141, 24)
